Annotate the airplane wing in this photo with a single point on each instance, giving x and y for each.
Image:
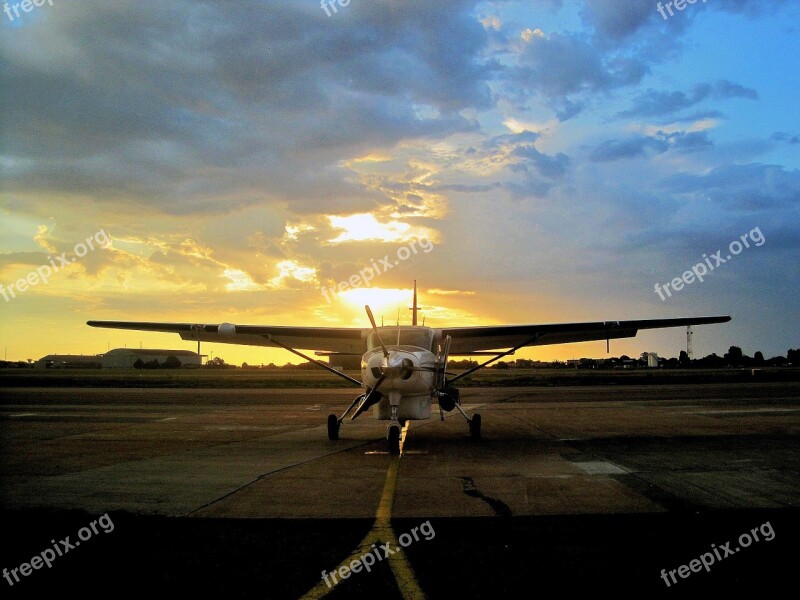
(466, 340)
(331, 339)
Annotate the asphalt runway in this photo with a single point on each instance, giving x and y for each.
(571, 488)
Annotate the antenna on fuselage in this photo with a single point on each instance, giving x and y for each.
(414, 309)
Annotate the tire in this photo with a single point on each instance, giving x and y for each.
(333, 428)
(475, 427)
(393, 439)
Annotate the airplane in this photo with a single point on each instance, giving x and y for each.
(403, 368)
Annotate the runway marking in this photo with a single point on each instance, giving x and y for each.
(600, 468)
(23, 415)
(405, 452)
(167, 419)
(381, 533)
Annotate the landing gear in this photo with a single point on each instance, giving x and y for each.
(475, 427)
(474, 423)
(393, 438)
(333, 428)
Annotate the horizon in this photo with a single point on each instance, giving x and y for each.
(272, 164)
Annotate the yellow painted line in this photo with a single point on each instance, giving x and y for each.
(380, 533)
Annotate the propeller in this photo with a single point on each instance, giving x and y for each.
(373, 393)
(441, 361)
(375, 331)
(368, 401)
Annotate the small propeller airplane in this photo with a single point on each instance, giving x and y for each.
(403, 368)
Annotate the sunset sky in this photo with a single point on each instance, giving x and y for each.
(557, 158)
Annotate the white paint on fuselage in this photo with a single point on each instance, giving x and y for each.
(414, 391)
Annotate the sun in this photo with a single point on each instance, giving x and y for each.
(382, 301)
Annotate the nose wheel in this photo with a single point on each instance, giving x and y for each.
(393, 439)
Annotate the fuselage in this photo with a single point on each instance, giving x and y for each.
(408, 372)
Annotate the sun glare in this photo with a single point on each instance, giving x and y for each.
(240, 281)
(364, 226)
(384, 302)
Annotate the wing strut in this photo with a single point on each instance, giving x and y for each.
(272, 340)
(491, 360)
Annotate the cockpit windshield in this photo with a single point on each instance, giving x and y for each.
(402, 336)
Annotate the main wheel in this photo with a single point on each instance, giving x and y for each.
(393, 438)
(333, 427)
(475, 427)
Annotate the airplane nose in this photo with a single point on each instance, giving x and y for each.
(399, 367)
(396, 366)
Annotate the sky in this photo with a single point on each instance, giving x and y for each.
(544, 161)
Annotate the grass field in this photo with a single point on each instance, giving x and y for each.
(238, 378)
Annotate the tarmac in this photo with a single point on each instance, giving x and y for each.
(570, 488)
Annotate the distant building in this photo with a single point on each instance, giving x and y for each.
(652, 360)
(125, 358)
(348, 363)
(69, 361)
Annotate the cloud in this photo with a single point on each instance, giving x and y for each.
(552, 167)
(611, 20)
(655, 103)
(189, 107)
(640, 146)
(564, 64)
(751, 187)
(780, 136)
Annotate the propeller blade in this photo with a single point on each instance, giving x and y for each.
(367, 401)
(442, 361)
(375, 330)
